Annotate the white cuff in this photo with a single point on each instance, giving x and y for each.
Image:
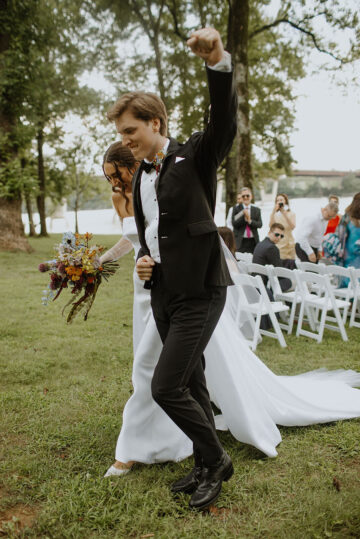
(224, 64)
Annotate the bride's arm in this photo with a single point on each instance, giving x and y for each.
(121, 248)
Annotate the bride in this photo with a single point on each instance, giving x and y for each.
(252, 399)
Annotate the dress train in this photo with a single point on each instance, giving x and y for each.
(252, 399)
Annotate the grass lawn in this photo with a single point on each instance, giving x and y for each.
(63, 388)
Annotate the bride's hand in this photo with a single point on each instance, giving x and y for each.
(144, 267)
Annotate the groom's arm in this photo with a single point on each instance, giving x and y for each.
(214, 144)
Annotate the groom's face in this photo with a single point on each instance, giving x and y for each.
(138, 135)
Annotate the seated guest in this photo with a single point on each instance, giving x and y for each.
(267, 252)
(310, 233)
(246, 219)
(333, 223)
(228, 236)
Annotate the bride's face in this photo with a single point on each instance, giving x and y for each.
(115, 176)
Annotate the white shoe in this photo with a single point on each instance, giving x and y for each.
(116, 471)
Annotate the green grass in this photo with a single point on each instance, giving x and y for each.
(63, 389)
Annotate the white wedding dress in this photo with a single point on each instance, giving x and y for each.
(252, 399)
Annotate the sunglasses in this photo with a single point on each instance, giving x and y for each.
(245, 196)
(278, 235)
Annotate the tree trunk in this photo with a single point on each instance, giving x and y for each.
(230, 181)
(12, 229)
(12, 235)
(32, 232)
(76, 203)
(237, 45)
(40, 199)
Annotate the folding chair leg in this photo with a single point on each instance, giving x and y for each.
(322, 325)
(277, 329)
(353, 322)
(256, 333)
(340, 323)
(300, 319)
(292, 317)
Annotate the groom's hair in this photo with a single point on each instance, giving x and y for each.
(143, 105)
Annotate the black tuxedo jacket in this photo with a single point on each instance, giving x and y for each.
(266, 252)
(239, 224)
(190, 249)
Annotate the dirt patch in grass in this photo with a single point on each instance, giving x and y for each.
(14, 519)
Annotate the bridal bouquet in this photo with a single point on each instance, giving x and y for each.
(76, 266)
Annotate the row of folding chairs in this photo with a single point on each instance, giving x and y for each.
(315, 294)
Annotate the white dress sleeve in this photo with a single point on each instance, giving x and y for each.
(121, 248)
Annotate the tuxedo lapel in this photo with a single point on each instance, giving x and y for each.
(173, 147)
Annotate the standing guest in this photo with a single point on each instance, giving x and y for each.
(231, 211)
(333, 223)
(310, 233)
(180, 258)
(283, 215)
(228, 236)
(343, 246)
(246, 220)
(267, 252)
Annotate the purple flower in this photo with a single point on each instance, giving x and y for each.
(43, 267)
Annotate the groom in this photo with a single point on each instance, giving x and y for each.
(174, 196)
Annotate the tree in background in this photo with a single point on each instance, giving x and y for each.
(269, 55)
(43, 50)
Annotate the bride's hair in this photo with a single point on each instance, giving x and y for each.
(119, 155)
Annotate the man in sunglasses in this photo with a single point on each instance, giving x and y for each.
(266, 252)
(246, 220)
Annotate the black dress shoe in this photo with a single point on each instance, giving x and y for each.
(210, 483)
(189, 483)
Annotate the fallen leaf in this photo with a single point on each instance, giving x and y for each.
(45, 391)
(336, 484)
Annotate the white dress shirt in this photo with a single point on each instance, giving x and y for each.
(148, 196)
(311, 232)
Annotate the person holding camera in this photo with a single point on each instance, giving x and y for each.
(287, 218)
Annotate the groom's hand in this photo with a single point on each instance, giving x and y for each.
(144, 267)
(207, 44)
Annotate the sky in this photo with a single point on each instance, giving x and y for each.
(328, 126)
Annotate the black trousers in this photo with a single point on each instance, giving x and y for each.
(185, 325)
(247, 245)
(302, 255)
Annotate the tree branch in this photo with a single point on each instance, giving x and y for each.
(173, 13)
(302, 30)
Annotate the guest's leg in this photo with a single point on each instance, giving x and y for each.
(301, 253)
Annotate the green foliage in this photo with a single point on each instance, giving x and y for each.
(347, 186)
(63, 390)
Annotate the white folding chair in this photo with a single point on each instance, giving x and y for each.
(292, 296)
(243, 266)
(337, 275)
(261, 306)
(259, 269)
(316, 293)
(244, 257)
(310, 266)
(355, 280)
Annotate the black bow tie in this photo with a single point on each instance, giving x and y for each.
(148, 166)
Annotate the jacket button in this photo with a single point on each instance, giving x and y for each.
(164, 213)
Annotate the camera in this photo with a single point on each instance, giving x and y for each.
(281, 204)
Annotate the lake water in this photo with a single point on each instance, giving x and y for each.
(107, 221)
